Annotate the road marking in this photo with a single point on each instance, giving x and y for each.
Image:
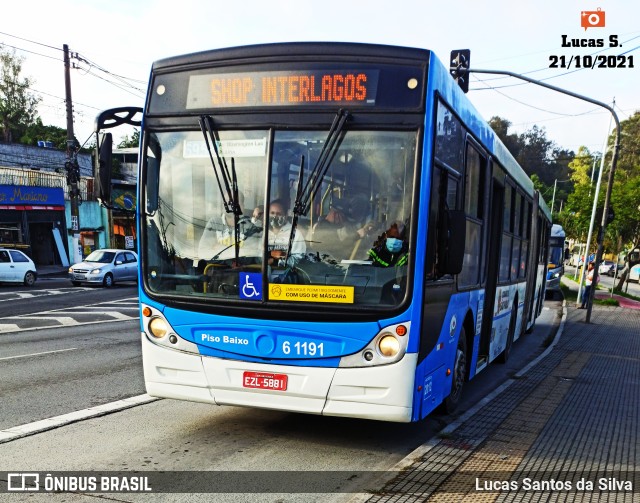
(38, 354)
(119, 310)
(63, 320)
(10, 296)
(73, 417)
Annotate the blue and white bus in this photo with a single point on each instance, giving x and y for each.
(555, 267)
(327, 228)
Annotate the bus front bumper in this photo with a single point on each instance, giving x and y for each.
(382, 392)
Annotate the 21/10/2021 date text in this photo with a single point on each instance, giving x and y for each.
(588, 61)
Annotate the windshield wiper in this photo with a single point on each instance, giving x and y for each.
(305, 192)
(229, 193)
(296, 214)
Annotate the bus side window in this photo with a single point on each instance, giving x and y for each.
(474, 192)
(444, 194)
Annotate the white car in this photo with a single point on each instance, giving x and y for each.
(16, 267)
(634, 273)
(105, 267)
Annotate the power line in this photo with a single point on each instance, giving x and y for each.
(89, 62)
(122, 88)
(27, 50)
(30, 41)
(123, 80)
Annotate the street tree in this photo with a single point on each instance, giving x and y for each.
(38, 131)
(132, 142)
(576, 215)
(17, 103)
(538, 156)
(625, 197)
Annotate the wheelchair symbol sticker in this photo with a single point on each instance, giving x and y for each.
(250, 286)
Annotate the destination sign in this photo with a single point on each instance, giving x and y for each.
(283, 88)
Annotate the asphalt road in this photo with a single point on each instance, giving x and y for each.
(169, 435)
(56, 293)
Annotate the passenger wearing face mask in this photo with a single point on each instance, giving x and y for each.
(390, 249)
(279, 232)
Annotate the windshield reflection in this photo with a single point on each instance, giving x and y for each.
(351, 246)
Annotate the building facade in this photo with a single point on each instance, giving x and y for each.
(35, 210)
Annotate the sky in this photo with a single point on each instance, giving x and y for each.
(118, 40)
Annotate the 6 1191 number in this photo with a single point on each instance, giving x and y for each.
(303, 348)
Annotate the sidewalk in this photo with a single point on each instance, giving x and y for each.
(564, 429)
(48, 271)
(602, 294)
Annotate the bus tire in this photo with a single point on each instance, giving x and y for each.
(504, 356)
(531, 327)
(451, 403)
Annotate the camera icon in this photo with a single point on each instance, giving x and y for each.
(20, 482)
(592, 19)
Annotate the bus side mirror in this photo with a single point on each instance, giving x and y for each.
(103, 170)
(153, 181)
(454, 244)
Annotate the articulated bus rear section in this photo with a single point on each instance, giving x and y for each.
(327, 228)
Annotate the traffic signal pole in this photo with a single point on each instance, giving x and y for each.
(71, 165)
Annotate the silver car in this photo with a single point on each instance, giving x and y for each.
(105, 267)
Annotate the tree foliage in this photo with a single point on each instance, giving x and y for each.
(127, 142)
(625, 197)
(539, 157)
(576, 214)
(17, 105)
(37, 132)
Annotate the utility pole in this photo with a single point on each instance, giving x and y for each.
(71, 165)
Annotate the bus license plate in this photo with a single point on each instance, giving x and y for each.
(263, 380)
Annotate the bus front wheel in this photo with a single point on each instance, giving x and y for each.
(459, 375)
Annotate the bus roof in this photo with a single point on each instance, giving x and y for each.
(323, 50)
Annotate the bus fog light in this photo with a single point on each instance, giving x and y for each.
(389, 345)
(173, 339)
(158, 327)
(368, 355)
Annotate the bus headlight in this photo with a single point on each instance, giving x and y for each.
(388, 345)
(158, 327)
(159, 331)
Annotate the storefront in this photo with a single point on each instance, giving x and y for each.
(33, 219)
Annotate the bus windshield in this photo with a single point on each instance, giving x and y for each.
(349, 246)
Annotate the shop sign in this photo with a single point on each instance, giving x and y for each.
(11, 195)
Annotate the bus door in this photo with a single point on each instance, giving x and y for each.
(493, 236)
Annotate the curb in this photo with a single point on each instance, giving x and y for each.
(414, 456)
